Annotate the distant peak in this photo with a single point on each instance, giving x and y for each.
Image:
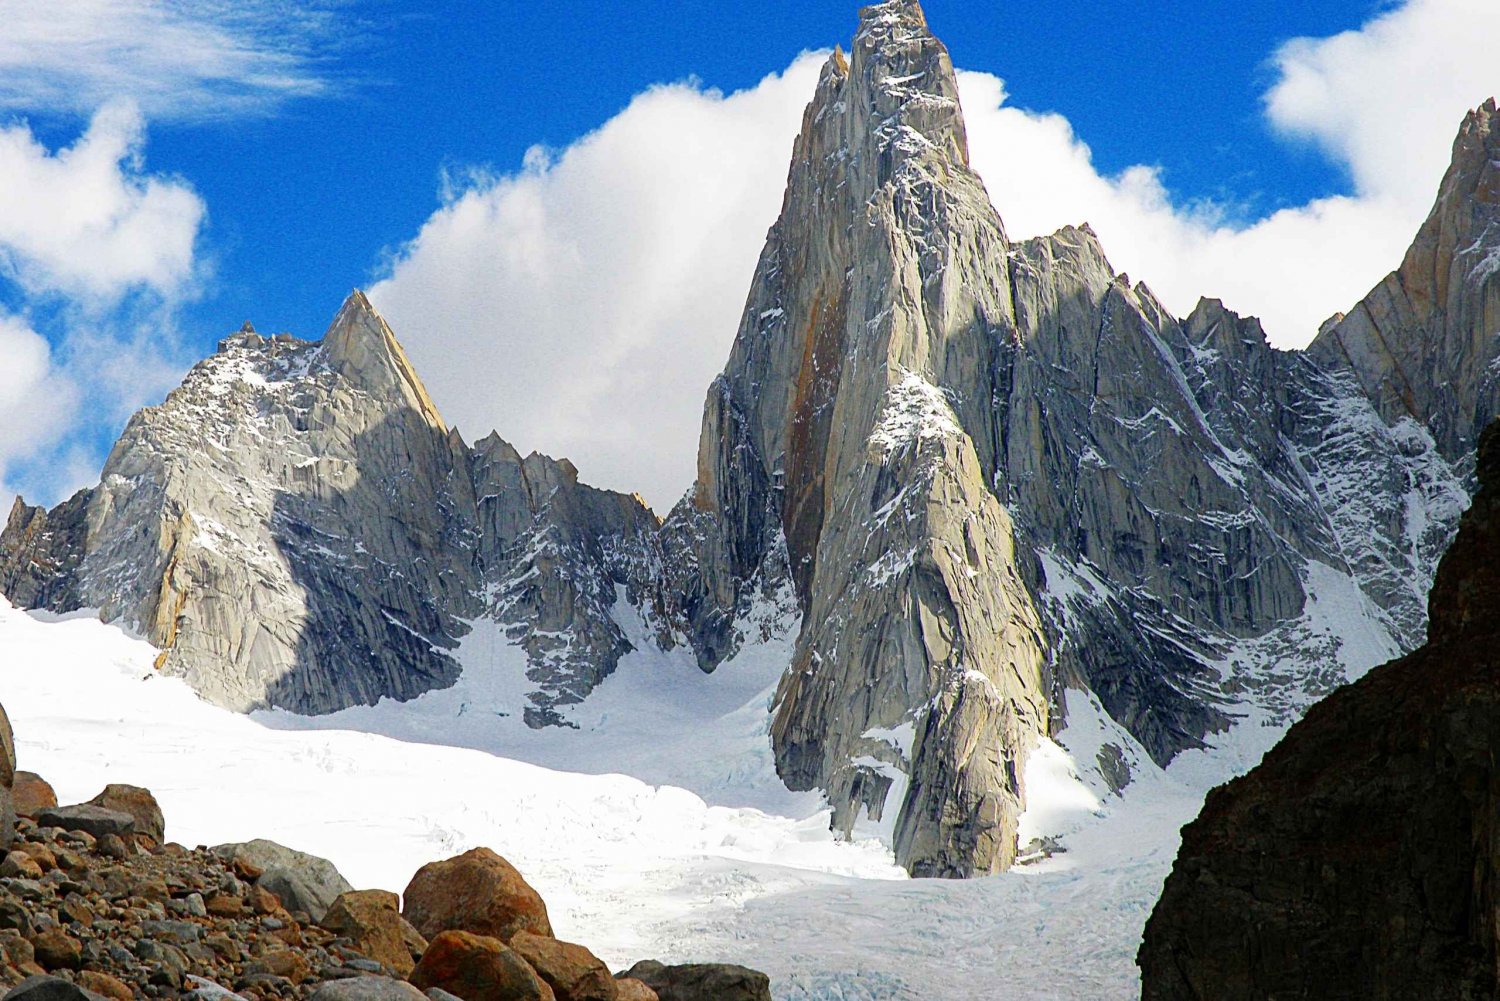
(907, 82)
(360, 346)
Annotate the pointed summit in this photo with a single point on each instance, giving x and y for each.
(1422, 341)
(360, 346)
(907, 93)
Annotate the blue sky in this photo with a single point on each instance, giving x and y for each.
(304, 203)
(314, 151)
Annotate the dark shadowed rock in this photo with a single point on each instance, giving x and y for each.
(1361, 858)
(137, 802)
(95, 820)
(478, 968)
(477, 892)
(7, 751)
(702, 981)
(49, 989)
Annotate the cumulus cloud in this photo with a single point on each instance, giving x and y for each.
(582, 305)
(173, 58)
(95, 255)
(1386, 99)
(1293, 269)
(35, 399)
(85, 221)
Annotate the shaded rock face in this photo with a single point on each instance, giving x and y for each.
(296, 527)
(1361, 859)
(993, 471)
(1422, 341)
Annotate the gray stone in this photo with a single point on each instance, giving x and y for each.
(96, 821)
(44, 988)
(701, 981)
(303, 882)
(367, 989)
(204, 989)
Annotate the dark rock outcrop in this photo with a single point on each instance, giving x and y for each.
(1361, 858)
(702, 981)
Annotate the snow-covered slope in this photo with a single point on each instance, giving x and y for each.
(657, 829)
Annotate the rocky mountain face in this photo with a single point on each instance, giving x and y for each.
(297, 527)
(997, 470)
(1423, 342)
(1361, 859)
(977, 472)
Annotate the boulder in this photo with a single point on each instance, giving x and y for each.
(573, 973)
(478, 968)
(105, 985)
(96, 821)
(371, 920)
(43, 988)
(137, 802)
(303, 882)
(55, 949)
(476, 892)
(367, 989)
(702, 981)
(631, 989)
(19, 865)
(32, 794)
(7, 751)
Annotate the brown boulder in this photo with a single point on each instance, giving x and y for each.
(476, 892)
(632, 989)
(40, 854)
(478, 968)
(57, 950)
(19, 865)
(32, 794)
(573, 973)
(371, 920)
(137, 802)
(104, 985)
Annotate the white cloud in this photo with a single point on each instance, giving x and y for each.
(173, 58)
(86, 220)
(1387, 99)
(35, 399)
(95, 254)
(1293, 269)
(582, 306)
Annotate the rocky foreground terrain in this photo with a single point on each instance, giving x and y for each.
(1361, 859)
(95, 904)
